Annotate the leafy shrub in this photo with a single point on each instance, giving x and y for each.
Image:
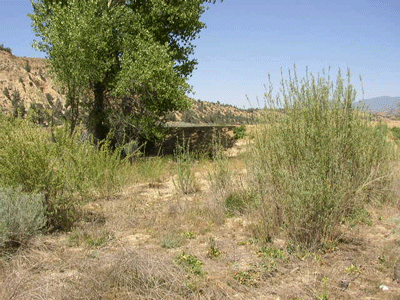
(239, 132)
(316, 161)
(27, 67)
(61, 167)
(396, 133)
(21, 215)
(5, 48)
(190, 263)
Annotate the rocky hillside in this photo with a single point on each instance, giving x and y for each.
(203, 112)
(26, 81)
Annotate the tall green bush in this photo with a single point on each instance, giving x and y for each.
(316, 160)
(62, 168)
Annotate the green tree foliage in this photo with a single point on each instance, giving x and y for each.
(132, 57)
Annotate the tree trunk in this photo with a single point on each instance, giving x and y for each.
(97, 118)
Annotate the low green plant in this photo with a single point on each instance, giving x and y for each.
(152, 169)
(220, 175)
(100, 241)
(395, 133)
(272, 252)
(325, 286)
(79, 237)
(316, 160)
(190, 263)
(22, 215)
(213, 250)
(190, 235)
(237, 202)
(239, 132)
(250, 278)
(353, 269)
(172, 240)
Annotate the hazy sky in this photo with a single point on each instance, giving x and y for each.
(246, 40)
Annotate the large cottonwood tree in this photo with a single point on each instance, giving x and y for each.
(116, 55)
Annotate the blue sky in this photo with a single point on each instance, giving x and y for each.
(246, 40)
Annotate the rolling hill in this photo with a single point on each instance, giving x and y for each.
(385, 104)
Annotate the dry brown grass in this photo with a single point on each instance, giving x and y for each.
(118, 251)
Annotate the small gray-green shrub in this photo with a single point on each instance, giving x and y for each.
(316, 160)
(21, 216)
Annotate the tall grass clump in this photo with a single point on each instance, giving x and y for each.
(185, 181)
(316, 160)
(63, 169)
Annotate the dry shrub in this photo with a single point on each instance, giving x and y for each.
(127, 274)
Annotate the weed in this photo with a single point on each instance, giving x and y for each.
(239, 132)
(353, 269)
(246, 242)
(152, 169)
(79, 237)
(186, 181)
(270, 268)
(238, 201)
(174, 240)
(98, 241)
(190, 235)
(272, 252)
(396, 133)
(190, 263)
(325, 284)
(248, 278)
(213, 250)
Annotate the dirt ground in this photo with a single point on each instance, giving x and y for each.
(152, 242)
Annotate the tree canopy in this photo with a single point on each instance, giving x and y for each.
(131, 57)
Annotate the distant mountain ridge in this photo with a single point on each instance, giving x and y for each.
(385, 104)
